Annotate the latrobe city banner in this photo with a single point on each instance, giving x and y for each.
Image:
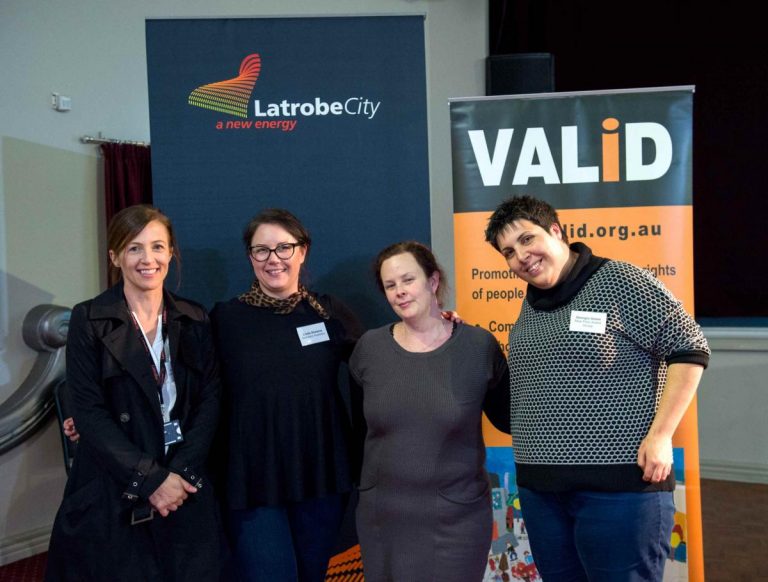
(326, 117)
(617, 165)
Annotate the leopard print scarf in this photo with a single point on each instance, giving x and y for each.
(256, 297)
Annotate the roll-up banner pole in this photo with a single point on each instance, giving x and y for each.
(617, 165)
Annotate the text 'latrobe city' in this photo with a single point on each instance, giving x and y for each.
(285, 108)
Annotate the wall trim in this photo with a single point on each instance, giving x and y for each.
(731, 471)
(25, 544)
(740, 339)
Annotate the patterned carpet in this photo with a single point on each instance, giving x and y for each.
(735, 519)
(28, 570)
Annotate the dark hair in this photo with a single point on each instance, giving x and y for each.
(128, 223)
(424, 257)
(522, 208)
(280, 217)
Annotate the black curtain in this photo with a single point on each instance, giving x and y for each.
(720, 49)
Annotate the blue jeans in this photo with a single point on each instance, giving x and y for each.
(286, 543)
(604, 537)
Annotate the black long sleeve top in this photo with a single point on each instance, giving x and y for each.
(286, 433)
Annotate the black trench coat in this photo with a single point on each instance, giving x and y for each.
(121, 459)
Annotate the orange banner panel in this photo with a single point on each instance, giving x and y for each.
(657, 238)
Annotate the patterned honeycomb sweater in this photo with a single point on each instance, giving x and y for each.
(582, 402)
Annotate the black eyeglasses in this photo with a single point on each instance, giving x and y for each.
(282, 251)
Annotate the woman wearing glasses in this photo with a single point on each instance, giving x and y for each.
(288, 471)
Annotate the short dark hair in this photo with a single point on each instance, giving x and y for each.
(282, 218)
(522, 208)
(128, 223)
(424, 257)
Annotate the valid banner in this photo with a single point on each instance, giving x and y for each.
(617, 165)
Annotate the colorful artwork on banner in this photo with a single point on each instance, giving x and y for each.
(677, 563)
(510, 551)
(510, 555)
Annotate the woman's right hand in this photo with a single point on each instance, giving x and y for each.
(171, 494)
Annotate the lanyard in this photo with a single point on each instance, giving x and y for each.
(159, 375)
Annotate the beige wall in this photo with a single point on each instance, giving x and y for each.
(50, 237)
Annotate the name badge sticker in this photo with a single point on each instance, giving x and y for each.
(313, 334)
(588, 321)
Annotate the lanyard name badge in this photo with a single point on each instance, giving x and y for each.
(172, 428)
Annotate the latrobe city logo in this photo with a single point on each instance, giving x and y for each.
(535, 159)
(230, 96)
(233, 97)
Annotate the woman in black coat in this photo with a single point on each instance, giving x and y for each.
(144, 389)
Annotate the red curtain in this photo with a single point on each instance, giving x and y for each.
(127, 176)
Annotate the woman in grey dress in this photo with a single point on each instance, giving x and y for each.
(424, 510)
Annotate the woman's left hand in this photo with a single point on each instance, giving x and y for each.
(655, 453)
(655, 458)
(171, 494)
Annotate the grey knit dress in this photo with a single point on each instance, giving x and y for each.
(424, 510)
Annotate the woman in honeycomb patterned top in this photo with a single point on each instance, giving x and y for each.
(603, 363)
